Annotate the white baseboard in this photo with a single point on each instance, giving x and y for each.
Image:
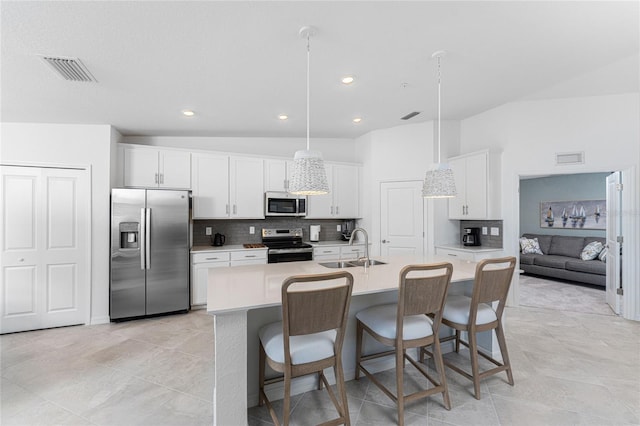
(100, 320)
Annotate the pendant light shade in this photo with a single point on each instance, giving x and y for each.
(309, 176)
(439, 181)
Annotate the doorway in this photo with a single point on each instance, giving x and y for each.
(538, 193)
(401, 218)
(46, 249)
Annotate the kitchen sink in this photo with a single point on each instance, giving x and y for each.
(337, 264)
(349, 264)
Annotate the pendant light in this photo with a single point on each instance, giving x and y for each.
(309, 176)
(439, 182)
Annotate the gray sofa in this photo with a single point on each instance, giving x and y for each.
(561, 259)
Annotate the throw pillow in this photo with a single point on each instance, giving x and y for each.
(603, 255)
(530, 246)
(591, 250)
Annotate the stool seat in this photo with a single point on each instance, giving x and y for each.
(383, 320)
(457, 309)
(304, 349)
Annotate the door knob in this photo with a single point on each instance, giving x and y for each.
(385, 241)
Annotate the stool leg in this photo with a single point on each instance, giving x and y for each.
(503, 351)
(262, 361)
(458, 341)
(437, 358)
(400, 384)
(473, 354)
(339, 373)
(287, 397)
(359, 331)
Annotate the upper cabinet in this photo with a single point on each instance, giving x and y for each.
(477, 177)
(277, 174)
(156, 168)
(343, 200)
(227, 187)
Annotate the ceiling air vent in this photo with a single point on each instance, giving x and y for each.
(410, 115)
(70, 69)
(568, 158)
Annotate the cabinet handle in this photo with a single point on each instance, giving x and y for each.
(331, 209)
(450, 254)
(327, 251)
(212, 258)
(249, 255)
(235, 209)
(337, 209)
(161, 177)
(286, 183)
(226, 209)
(156, 178)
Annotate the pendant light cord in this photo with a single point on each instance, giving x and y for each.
(308, 71)
(439, 129)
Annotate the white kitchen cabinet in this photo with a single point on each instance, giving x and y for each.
(343, 201)
(227, 187)
(477, 178)
(338, 252)
(156, 168)
(470, 254)
(200, 264)
(277, 174)
(202, 261)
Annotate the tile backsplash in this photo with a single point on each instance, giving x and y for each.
(493, 241)
(237, 231)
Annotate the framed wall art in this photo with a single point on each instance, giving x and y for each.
(585, 214)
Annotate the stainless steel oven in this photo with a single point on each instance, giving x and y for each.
(285, 245)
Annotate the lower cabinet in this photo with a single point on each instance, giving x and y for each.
(202, 261)
(338, 252)
(472, 255)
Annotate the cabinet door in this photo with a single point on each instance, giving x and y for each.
(326, 253)
(175, 169)
(351, 252)
(346, 191)
(246, 188)
(275, 175)
(141, 167)
(476, 186)
(457, 204)
(321, 206)
(210, 186)
(200, 280)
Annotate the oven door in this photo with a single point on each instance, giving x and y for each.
(289, 255)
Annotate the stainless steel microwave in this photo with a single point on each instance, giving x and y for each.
(284, 204)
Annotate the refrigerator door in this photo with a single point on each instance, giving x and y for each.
(127, 295)
(168, 257)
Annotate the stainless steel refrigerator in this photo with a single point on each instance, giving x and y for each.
(149, 252)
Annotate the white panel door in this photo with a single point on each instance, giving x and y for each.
(401, 218)
(613, 218)
(45, 249)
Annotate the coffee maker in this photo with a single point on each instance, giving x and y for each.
(471, 236)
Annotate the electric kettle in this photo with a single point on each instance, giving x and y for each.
(219, 239)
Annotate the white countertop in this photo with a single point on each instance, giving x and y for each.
(230, 247)
(256, 286)
(470, 249)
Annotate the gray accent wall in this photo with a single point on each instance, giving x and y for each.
(582, 186)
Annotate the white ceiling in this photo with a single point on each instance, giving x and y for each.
(239, 64)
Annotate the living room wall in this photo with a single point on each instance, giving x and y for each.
(574, 187)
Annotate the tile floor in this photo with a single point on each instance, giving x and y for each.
(569, 368)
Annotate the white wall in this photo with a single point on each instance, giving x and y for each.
(402, 153)
(335, 149)
(529, 133)
(73, 145)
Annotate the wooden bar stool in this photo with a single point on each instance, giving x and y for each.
(309, 338)
(475, 314)
(417, 315)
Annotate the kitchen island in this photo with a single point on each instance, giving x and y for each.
(245, 298)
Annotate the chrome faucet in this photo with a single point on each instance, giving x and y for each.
(367, 262)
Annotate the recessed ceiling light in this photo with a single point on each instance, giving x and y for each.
(283, 116)
(347, 79)
(188, 113)
(357, 120)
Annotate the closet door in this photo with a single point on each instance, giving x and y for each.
(45, 247)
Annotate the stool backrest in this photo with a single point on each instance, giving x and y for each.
(492, 282)
(423, 295)
(318, 309)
